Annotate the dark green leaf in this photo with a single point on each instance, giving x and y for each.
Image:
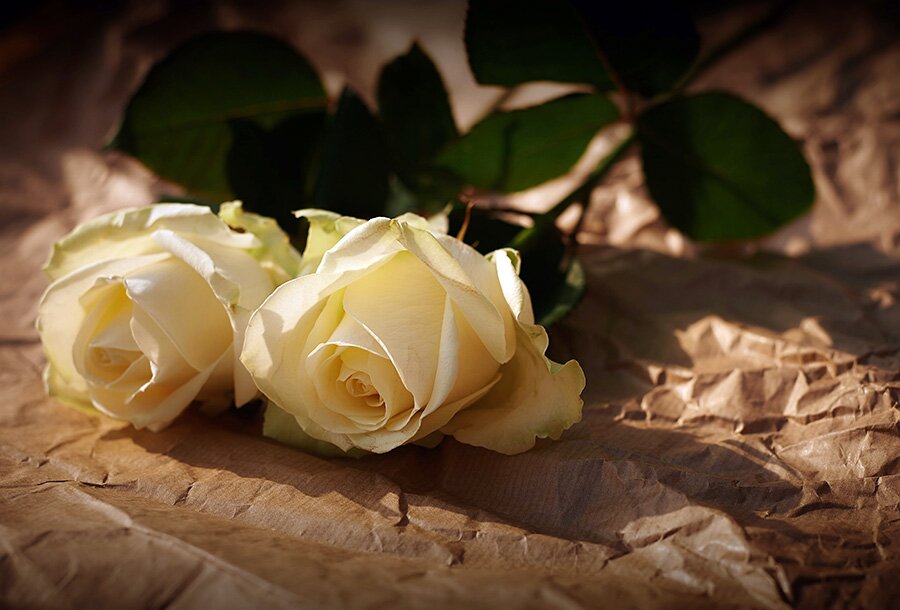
(650, 44)
(513, 151)
(510, 43)
(269, 169)
(560, 297)
(546, 270)
(721, 169)
(180, 123)
(353, 175)
(416, 113)
(400, 199)
(434, 188)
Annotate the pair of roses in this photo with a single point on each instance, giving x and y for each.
(384, 332)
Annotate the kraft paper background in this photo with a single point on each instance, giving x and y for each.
(739, 447)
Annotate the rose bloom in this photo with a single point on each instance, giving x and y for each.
(147, 308)
(399, 333)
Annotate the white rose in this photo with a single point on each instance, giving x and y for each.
(401, 333)
(147, 308)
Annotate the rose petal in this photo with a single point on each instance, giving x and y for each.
(477, 368)
(154, 405)
(448, 359)
(435, 421)
(535, 398)
(363, 249)
(515, 292)
(350, 333)
(235, 277)
(407, 326)
(325, 230)
(398, 401)
(488, 316)
(184, 309)
(126, 233)
(105, 347)
(275, 340)
(342, 412)
(60, 319)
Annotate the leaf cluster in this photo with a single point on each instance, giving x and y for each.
(240, 115)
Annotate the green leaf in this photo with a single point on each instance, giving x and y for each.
(400, 199)
(510, 43)
(560, 296)
(650, 44)
(515, 150)
(555, 286)
(269, 169)
(353, 175)
(721, 169)
(415, 110)
(181, 122)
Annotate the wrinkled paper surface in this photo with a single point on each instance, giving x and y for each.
(739, 447)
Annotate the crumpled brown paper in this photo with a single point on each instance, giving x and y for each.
(739, 447)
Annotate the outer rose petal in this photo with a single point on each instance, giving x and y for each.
(238, 281)
(535, 398)
(126, 233)
(472, 285)
(325, 230)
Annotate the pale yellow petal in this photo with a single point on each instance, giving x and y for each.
(153, 405)
(474, 288)
(184, 309)
(401, 305)
(126, 233)
(325, 230)
(60, 317)
(535, 398)
(283, 331)
(363, 249)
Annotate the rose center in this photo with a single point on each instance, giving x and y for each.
(359, 385)
(112, 358)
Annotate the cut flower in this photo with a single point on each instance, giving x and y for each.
(398, 333)
(147, 308)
